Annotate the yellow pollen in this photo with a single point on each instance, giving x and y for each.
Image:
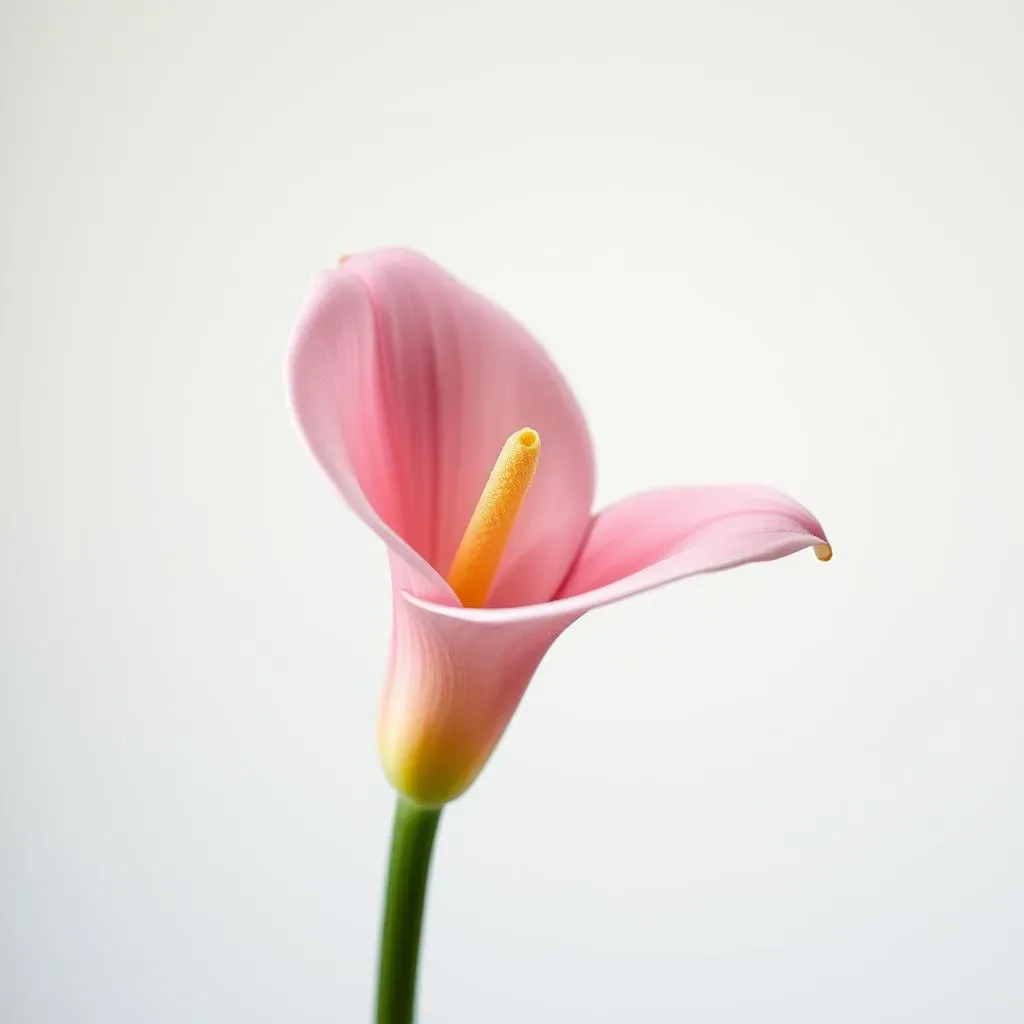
(823, 552)
(476, 561)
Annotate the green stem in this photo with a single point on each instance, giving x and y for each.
(412, 840)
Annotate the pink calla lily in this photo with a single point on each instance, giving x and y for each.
(405, 384)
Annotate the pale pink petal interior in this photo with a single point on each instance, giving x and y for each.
(651, 539)
(406, 384)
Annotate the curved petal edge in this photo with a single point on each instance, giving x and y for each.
(651, 539)
(456, 675)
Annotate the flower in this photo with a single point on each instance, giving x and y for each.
(406, 385)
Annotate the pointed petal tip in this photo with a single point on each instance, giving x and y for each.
(823, 552)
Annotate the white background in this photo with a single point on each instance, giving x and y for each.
(776, 242)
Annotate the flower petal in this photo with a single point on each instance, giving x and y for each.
(451, 689)
(458, 674)
(406, 384)
(651, 539)
(662, 535)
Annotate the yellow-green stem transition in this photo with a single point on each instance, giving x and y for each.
(412, 841)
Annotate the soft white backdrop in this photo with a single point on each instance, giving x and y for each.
(771, 242)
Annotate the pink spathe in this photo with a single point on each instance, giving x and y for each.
(405, 384)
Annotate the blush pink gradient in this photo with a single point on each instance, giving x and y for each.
(405, 384)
